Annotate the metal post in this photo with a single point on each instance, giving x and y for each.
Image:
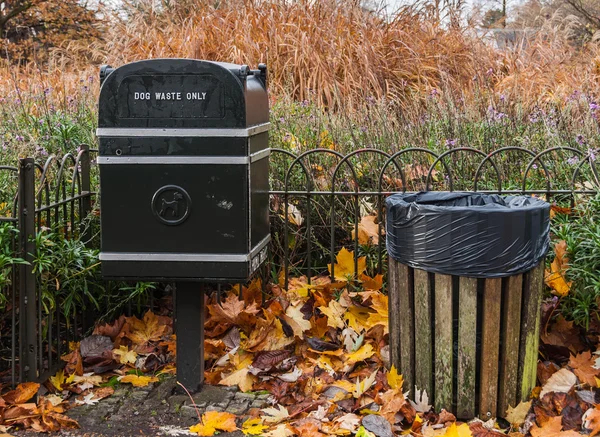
(27, 288)
(189, 327)
(86, 202)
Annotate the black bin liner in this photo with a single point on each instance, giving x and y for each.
(468, 234)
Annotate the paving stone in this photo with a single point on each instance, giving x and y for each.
(214, 408)
(165, 388)
(177, 401)
(264, 396)
(212, 394)
(190, 411)
(259, 403)
(241, 395)
(238, 407)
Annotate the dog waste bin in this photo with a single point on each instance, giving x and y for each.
(465, 289)
(184, 182)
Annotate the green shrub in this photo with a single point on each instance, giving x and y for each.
(581, 231)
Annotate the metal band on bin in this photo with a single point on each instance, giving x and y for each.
(191, 257)
(183, 160)
(181, 132)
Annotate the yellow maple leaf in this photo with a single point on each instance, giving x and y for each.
(335, 314)
(344, 267)
(125, 355)
(394, 379)
(253, 426)
(212, 421)
(366, 351)
(358, 318)
(242, 378)
(458, 431)
(58, 380)
(138, 381)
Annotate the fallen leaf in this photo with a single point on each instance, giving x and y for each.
(213, 421)
(368, 231)
(275, 414)
(395, 380)
(552, 428)
(362, 354)
(561, 382)
(555, 277)
(87, 400)
(378, 425)
(254, 426)
(242, 378)
(516, 416)
(344, 267)
(348, 421)
(24, 392)
(335, 314)
(138, 381)
(282, 430)
(150, 329)
(124, 355)
(583, 367)
(462, 430)
(591, 420)
(421, 403)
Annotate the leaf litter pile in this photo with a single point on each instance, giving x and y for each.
(321, 351)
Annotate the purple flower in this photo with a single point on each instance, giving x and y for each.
(592, 154)
(500, 115)
(435, 92)
(370, 100)
(304, 103)
(502, 97)
(19, 138)
(534, 166)
(594, 106)
(47, 91)
(281, 120)
(91, 79)
(573, 160)
(2, 100)
(363, 129)
(41, 151)
(490, 72)
(580, 140)
(450, 143)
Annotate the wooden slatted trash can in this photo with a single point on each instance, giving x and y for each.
(465, 289)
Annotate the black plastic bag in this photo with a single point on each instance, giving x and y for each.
(468, 234)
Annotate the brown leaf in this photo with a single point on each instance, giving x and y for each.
(583, 367)
(309, 429)
(75, 363)
(552, 428)
(111, 330)
(24, 392)
(268, 360)
(150, 329)
(563, 334)
(233, 312)
(478, 430)
(545, 369)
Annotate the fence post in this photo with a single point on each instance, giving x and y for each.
(86, 188)
(27, 287)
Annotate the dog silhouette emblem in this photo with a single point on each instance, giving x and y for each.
(171, 205)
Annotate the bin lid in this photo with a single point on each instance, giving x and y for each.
(468, 234)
